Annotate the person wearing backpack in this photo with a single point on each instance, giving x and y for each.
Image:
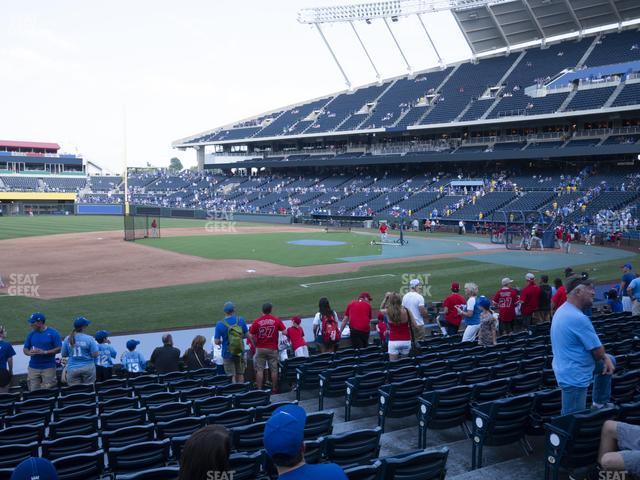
(230, 333)
(326, 327)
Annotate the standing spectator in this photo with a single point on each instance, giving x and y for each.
(195, 357)
(206, 453)
(358, 316)
(284, 443)
(619, 449)
(6, 361)
(414, 302)
(579, 359)
(627, 277)
(452, 317)
(106, 354)
(382, 327)
(264, 333)
(132, 360)
(506, 299)
(230, 333)
(326, 329)
(529, 299)
(487, 331)
(165, 358)
(296, 335)
(400, 323)
(82, 350)
(41, 344)
(634, 295)
(543, 314)
(559, 297)
(470, 313)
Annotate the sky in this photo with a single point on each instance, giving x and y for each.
(72, 71)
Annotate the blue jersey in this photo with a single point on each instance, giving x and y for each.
(106, 354)
(45, 340)
(133, 362)
(6, 352)
(81, 352)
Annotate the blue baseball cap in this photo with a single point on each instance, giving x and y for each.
(131, 344)
(102, 334)
(483, 302)
(37, 317)
(284, 431)
(627, 265)
(80, 322)
(229, 307)
(35, 468)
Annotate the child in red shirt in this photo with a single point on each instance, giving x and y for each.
(296, 335)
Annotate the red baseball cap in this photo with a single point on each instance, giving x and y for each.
(455, 286)
(296, 320)
(365, 295)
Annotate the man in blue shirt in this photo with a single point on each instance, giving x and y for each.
(284, 443)
(634, 293)
(234, 361)
(6, 362)
(578, 355)
(627, 277)
(41, 344)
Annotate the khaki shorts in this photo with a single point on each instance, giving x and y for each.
(541, 316)
(266, 356)
(235, 365)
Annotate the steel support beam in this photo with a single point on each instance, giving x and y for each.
(386, 22)
(616, 12)
(543, 37)
(324, 39)
(499, 27)
(574, 16)
(466, 37)
(366, 52)
(433, 45)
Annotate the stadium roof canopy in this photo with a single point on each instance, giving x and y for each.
(492, 24)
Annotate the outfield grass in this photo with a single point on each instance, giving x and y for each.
(201, 304)
(23, 226)
(271, 247)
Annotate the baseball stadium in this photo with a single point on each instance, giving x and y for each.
(492, 180)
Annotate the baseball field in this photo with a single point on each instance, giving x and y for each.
(71, 266)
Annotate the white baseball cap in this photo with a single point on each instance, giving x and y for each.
(506, 281)
(414, 283)
(530, 276)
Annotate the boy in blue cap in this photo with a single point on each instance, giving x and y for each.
(81, 350)
(42, 344)
(106, 354)
(133, 361)
(284, 442)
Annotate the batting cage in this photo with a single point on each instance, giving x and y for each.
(521, 230)
(141, 226)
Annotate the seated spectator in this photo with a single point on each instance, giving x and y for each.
(165, 358)
(284, 443)
(619, 448)
(81, 350)
(106, 354)
(195, 357)
(613, 302)
(6, 362)
(133, 361)
(206, 453)
(35, 468)
(296, 335)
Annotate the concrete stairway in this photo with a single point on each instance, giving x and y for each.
(401, 436)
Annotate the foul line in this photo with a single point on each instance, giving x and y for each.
(307, 285)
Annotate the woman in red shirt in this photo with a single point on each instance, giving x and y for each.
(296, 335)
(400, 321)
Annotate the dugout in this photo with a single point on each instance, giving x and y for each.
(37, 203)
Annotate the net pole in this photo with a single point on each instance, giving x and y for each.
(124, 159)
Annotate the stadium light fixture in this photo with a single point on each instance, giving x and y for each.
(386, 9)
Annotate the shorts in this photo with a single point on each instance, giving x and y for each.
(266, 356)
(629, 444)
(235, 365)
(302, 351)
(399, 347)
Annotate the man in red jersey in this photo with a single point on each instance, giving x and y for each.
(529, 298)
(358, 316)
(452, 317)
(506, 299)
(264, 333)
